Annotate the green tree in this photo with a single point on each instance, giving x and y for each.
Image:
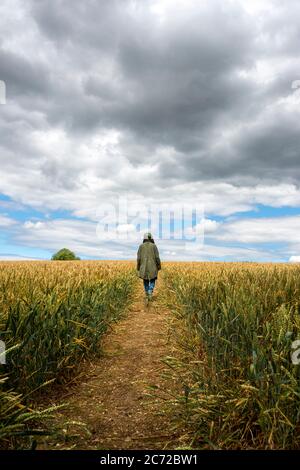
(64, 255)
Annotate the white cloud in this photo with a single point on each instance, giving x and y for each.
(261, 230)
(124, 228)
(209, 225)
(6, 221)
(294, 259)
(33, 225)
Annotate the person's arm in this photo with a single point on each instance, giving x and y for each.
(138, 263)
(157, 258)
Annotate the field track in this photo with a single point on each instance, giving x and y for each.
(113, 397)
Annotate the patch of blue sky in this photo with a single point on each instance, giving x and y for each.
(263, 211)
(64, 214)
(25, 213)
(4, 197)
(11, 250)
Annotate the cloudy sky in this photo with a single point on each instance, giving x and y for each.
(152, 102)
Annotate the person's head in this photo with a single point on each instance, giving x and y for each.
(148, 237)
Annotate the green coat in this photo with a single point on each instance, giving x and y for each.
(148, 262)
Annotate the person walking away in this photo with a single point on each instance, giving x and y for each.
(148, 264)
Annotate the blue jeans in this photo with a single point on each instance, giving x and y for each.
(149, 285)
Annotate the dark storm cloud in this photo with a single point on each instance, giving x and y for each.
(188, 83)
(23, 76)
(90, 26)
(168, 86)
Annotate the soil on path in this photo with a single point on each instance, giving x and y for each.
(120, 398)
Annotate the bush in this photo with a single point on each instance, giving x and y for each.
(64, 255)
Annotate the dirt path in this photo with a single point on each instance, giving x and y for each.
(114, 399)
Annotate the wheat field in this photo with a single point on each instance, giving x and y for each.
(233, 326)
(52, 315)
(236, 323)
